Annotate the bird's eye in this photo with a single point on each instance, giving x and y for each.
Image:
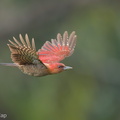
(60, 66)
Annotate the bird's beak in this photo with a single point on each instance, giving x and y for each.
(67, 67)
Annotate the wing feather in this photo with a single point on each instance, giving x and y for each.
(33, 44)
(58, 49)
(23, 52)
(27, 41)
(22, 40)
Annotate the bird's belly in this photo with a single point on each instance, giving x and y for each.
(34, 70)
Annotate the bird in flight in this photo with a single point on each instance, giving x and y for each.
(46, 60)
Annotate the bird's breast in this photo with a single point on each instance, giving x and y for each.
(34, 70)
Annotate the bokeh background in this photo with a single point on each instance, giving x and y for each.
(91, 91)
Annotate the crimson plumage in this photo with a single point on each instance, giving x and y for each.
(46, 60)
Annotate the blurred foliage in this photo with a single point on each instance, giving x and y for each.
(88, 92)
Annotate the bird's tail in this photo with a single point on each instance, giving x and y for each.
(9, 64)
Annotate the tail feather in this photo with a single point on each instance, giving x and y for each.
(9, 64)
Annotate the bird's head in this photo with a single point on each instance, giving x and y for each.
(57, 67)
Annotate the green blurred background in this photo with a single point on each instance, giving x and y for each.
(91, 91)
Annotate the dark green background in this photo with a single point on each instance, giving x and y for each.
(91, 91)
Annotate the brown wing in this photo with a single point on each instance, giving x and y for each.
(23, 52)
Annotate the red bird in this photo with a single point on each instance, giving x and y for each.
(46, 60)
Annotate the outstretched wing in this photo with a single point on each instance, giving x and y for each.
(57, 50)
(23, 52)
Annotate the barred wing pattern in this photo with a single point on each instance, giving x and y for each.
(57, 50)
(23, 52)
